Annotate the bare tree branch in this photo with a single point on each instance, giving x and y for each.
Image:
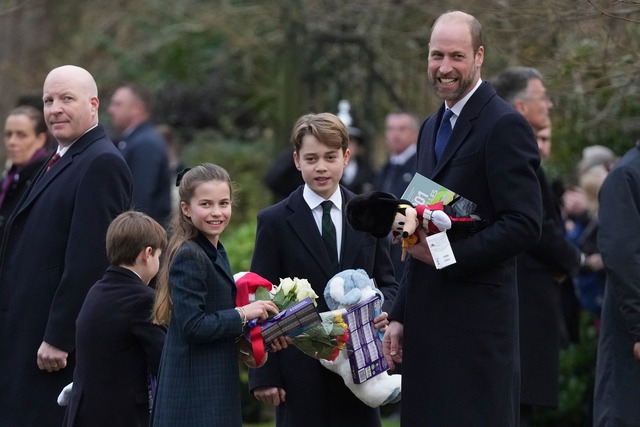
(618, 14)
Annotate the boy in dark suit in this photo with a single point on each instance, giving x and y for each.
(307, 236)
(117, 345)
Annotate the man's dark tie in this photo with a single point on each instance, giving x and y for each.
(329, 233)
(53, 161)
(443, 133)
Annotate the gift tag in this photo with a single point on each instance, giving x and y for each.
(441, 250)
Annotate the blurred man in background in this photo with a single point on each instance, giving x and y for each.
(401, 135)
(144, 151)
(543, 268)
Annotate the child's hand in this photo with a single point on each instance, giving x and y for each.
(280, 343)
(270, 395)
(381, 321)
(260, 310)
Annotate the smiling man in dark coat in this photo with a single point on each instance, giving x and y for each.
(54, 250)
(455, 330)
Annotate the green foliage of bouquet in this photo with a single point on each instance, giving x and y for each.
(325, 340)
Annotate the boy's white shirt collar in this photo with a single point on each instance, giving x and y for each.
(314, 200)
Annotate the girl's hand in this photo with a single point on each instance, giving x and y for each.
(260, 310)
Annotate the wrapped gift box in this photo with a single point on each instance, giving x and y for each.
(291, 321)
(364, 346)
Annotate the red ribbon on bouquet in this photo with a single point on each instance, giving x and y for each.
(257, 344)
(248, 283)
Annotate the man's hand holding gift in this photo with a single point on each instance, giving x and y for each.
(420, 250)
(392, 344)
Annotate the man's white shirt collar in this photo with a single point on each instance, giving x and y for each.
(402, 158)
(457, 108)
(62, 150)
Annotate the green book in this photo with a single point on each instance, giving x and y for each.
(422, 191)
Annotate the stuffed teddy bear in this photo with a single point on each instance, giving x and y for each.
(344, 290)
(379, 213)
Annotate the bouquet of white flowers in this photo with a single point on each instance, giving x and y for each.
(287, 293)
(319, 335)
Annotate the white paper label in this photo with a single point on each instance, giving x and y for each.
(441, 250)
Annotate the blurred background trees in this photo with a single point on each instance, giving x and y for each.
(246, 69)
(231, 76)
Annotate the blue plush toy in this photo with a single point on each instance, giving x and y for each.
(344, 290)
(349, 287)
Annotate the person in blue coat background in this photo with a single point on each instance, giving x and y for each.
(144, 150)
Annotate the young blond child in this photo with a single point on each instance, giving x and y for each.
(199, 381)
(117, 345)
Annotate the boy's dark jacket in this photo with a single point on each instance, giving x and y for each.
(117, 344)
(288, 244)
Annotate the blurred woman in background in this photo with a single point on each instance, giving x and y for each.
(26, 141)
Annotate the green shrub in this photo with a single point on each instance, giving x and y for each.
(245, 162)
(239, 241)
